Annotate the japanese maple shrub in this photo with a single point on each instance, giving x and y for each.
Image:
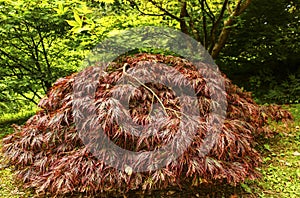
(50, 157)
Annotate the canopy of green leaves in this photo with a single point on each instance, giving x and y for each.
(42, 41)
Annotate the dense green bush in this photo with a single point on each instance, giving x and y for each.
(283, 92)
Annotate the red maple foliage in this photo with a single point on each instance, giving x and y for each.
(50, 156)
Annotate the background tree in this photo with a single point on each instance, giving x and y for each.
(35, 48)
(44, 41)
(262, 53)
(209, 22)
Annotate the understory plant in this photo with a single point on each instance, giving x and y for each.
(50, 153)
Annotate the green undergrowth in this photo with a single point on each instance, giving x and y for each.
(280, 169)
(9, 187)
(281, 161)
(7, 119)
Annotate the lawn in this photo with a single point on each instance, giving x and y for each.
(280, 169)
(8, 185)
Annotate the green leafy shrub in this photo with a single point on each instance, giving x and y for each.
(50, 157)
(273, 91)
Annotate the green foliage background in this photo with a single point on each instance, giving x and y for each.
(42, 41)
(262, 53)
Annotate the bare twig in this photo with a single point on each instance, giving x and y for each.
(165, 11)
(142, 12)
(209, 13)
(148, 88)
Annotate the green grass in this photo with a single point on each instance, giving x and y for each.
(7, 120)
(280, 169)
(9, 188)
(281, 161)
